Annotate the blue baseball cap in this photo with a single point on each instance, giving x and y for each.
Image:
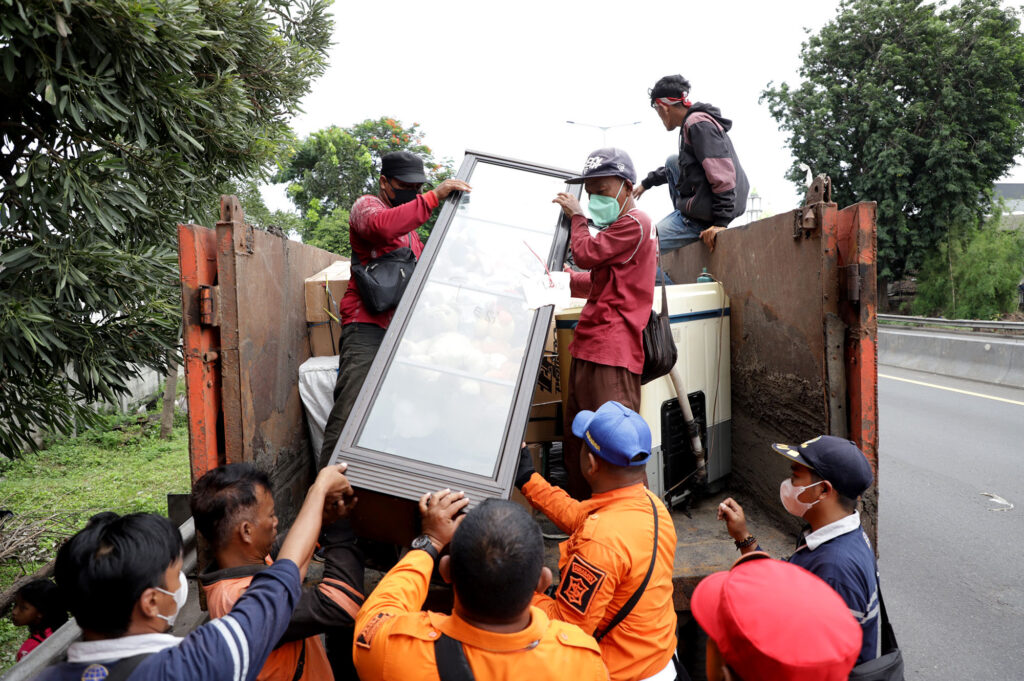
(606, 162)
(615, 433)
(834, 459)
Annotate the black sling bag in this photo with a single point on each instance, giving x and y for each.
(635, 598)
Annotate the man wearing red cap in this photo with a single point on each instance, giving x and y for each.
(828, 476)
(767, 620)
(378, 225)
(621, 253)
(616, 568)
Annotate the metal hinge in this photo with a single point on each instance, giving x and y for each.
(851, 281)
(209, 305)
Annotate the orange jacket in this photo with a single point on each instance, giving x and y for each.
(603, 562)
(283, 661)
(395, 640)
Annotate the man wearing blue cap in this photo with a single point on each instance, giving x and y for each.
(616, 568)
(828, 475)
(620, 253)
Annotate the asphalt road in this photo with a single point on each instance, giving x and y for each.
(952, 558)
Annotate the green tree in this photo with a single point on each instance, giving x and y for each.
(973, 275)
(117, 121)
(333, 167)
(917, 106)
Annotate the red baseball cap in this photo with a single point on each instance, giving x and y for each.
(773, 621)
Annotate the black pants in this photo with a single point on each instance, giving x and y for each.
(359, 344)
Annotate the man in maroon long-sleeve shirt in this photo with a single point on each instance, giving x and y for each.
(378, 225)
(621, 254)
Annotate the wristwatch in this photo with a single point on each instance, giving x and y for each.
(423, 543)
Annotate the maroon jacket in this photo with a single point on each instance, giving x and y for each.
(374, 229)
(619, 289)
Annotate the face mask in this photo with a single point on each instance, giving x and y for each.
(604, 210)
(180, 595)
(789, 493)
(402, 196)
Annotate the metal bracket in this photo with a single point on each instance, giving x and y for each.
(209, 305)
(807, 219)
(810, 216)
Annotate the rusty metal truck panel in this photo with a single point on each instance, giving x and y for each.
(802, 333)
(245, 337)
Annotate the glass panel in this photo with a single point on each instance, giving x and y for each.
(447, 394)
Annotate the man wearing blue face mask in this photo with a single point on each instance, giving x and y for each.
(828, 475)
(620, 253)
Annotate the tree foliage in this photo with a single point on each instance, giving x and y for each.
(333, 167)
(917, 106)
(117, 121)
(973, 275)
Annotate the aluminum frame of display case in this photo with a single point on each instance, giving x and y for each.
(408, 477)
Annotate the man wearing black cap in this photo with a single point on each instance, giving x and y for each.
(378, 225)
(828, 475)
(607, 348)
(706, 182)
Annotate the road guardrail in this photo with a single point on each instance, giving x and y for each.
(938, 323)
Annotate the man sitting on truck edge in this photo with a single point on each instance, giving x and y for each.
(608, 561)
(607, 348)
(122, 579)
(705, 180)
(828, 476)
(378, 225)
(495, 564)
(233, 508)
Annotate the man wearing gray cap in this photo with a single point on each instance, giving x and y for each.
(828, 476)
(620, 252)
(378, 225)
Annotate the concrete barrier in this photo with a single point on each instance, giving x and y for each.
(989, 359)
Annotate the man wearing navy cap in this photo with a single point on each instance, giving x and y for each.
(828, 475)
(378, 224)
(620, 253)
(623, 543)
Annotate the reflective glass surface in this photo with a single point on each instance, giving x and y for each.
(446, 396)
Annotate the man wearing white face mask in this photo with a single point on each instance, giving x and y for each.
(621, 256)
(828, 475)
(122, 579)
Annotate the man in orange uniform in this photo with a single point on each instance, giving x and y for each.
(233, 507)
(495, 564)
(609, 558)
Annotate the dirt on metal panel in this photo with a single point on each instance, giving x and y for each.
(779, 291)
(270, 272)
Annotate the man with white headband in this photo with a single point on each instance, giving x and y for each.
(705, 180)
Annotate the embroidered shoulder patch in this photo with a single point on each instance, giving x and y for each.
(580, 583)
(365, 637)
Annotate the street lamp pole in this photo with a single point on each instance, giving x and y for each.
(604, 128)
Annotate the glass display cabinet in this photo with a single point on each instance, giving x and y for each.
(448, 396)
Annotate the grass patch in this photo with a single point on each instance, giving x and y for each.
(123, 467)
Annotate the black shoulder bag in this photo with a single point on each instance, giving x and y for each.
(635, 598)
(660, 352)
(382, 281)
(889, 665)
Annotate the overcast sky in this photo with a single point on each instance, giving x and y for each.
(504, 78)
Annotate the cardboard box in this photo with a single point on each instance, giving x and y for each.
(335, 278)
(324, 338)
(545, 424)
